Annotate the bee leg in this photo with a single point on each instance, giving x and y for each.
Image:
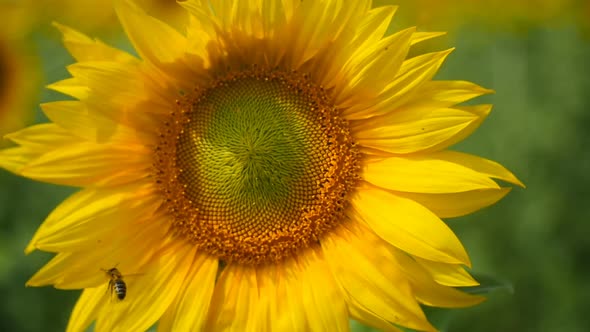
(110, 290)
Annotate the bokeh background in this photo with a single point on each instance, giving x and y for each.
(534, 244)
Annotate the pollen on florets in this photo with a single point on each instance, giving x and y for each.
(256, 166)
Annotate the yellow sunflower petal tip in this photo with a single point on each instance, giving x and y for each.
(29, 250)
(450, 50)
(229, 161)
(30, 247)
(58, 25)
(516, 181)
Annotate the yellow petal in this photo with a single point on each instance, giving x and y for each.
(158, 43)
(244, 16)
(373, 27)
(268, 316)
(153, 39)
(480, 112)
(484, 166)
(409, 226)
(447, 274)
(89, 164)
(323, 300)
(91, 214)
(52, 272)
(201, 18)
(446, 93)
(428, 291)
(383, 58)
(103, 78)
(95, 81)
(223, 11)
(83, 48)
(42, 137)
(366, 317)
(453, 205)
(316, 23)
(412, 74)
(281, 308)
(373, 69)
(89, 305)
(74, 87)
(189, 310)
(129, 250)
(416, 71)
(235, 300)
(35, 140)
(362, 37)
(255, 18)
(92, 126)
(412, 130)
(425, 174)
(434, 97)
(423, 36)
(198, 36)
(158, 288)
(272, 15)
(370, 31)
(358, 264)
(14, 159)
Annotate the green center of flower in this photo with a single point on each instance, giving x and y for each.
(249, 148)
(257, 166)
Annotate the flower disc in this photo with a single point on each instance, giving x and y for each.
(257, 166)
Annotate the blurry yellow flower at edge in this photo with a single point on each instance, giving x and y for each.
(281, 165)
(19, 77)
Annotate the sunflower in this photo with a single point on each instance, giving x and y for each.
(281, 166)
(18, 70)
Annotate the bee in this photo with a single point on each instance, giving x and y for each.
(116, 283)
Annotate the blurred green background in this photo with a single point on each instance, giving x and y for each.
(536, 239)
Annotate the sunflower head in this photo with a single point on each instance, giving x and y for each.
(272, 166)
(256, 166)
